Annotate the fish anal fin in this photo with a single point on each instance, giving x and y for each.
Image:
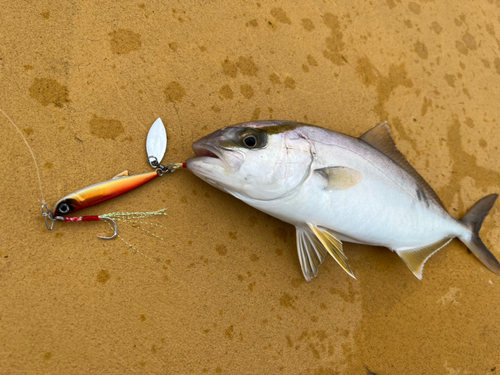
(340, 178)
(381, 139)
(334, 247)
(122, 174)
(416, 258)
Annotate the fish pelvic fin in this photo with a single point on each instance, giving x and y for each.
(333, 246)
(380, 138)
(416, 258)
(473, 220)
(311, 252)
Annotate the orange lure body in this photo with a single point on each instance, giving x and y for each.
(101, 192)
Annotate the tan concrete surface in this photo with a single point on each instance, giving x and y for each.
(222, 291)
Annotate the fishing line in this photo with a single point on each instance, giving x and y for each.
(31, 152)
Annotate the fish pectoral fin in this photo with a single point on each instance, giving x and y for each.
(416, 258)
(340, 178)
(123, 174)
(334, 247)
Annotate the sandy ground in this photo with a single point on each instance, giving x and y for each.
(215, 286)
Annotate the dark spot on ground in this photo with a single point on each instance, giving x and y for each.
(124, 41)
(103, 276)
(105, 128)
(49, 91)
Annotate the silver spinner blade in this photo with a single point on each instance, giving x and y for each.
(156, 143)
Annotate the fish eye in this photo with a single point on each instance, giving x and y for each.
(250, 141)
(251, 138)
(63, 208)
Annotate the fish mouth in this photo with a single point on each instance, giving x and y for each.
(207, 154)
(205, 151)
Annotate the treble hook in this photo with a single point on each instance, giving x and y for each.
(49, 215)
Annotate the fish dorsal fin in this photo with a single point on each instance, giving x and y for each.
(334, 247)
(381, 139)
(123, 174)
(340, 178)
(311, 252)
(416, 258)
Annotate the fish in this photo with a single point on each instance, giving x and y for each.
(335, 188)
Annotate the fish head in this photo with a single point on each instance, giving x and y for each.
(263, 160)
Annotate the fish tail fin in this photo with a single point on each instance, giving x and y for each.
(473, 220)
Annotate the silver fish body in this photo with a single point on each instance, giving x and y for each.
(334, 188)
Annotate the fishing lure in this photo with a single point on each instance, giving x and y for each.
(156, 145)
